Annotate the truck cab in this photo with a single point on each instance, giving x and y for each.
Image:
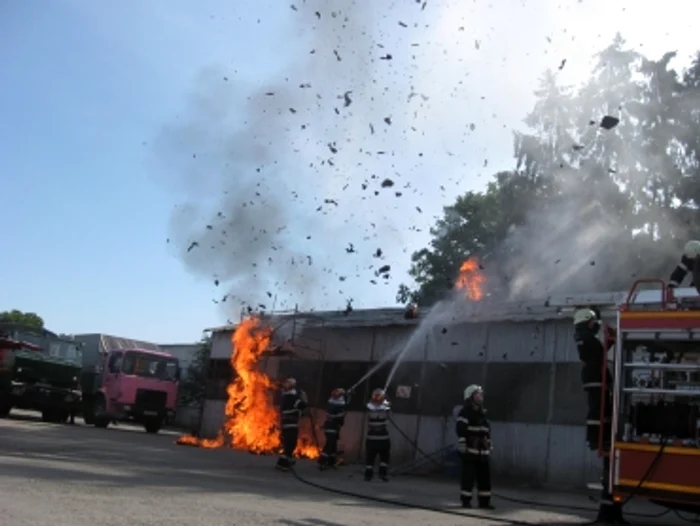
(135, 385)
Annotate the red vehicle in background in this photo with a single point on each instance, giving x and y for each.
(655, 452)
(132, 384)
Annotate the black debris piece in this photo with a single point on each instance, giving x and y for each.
(216, 282)
(384, 269)
(386, 57)
(577, 147)
(337, 55)
(387, 183)
(350, 248)
(270, 93)
(332, 147)
(609, 122)
(347, 99)
(444, 330)
(318, 15)
(269, 294)
(387, 120)
(292, 110)
(192, 245)
(563, 63)
(371, 129)
(378, 253)
(402, 24)
(418, 208)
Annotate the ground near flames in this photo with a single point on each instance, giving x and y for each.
(252, 422)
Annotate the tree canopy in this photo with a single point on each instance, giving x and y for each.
(604, 187)
(193, 385)
(30, 319)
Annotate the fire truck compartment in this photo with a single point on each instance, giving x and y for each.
(674, 475)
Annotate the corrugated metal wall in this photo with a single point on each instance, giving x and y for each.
(530, 372)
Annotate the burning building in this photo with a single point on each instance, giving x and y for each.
(522, 353)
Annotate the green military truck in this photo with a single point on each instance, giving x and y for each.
(39, 371)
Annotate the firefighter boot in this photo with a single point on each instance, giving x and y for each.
(369, 473)
(485, 504)
(322, 462)
(282, 463)
(618, 519)
(383, 472)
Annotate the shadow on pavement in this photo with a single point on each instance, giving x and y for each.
(123, 458)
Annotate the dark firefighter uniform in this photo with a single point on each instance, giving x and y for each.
(292, 405)
(474, 446)
(689, 264)
(592, 353)
(377, 441)
(335, 418)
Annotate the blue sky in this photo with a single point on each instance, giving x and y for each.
(88, 87)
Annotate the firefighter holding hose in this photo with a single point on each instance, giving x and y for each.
(592, 354)
(474, 446)
(335, 418)
(293, 404)
(377, 440)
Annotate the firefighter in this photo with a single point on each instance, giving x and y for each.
(293, 404)
(377, 441)
(474, 446)
(592, 354)
(689, 262)
(335, 418)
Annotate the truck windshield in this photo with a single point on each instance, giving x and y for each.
(150, 366)
(65, 350)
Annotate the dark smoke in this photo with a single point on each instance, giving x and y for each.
(264, 169)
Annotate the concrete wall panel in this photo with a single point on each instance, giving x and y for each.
(221, 345)
(519, 452)
(212, 418)
(464, 342)
(344, 345)
(516, 342)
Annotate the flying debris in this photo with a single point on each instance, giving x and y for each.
(609, 122)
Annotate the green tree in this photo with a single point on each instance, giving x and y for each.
(30, 319)
(193, 385)
(637, 186)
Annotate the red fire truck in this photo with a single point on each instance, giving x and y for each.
(655, 442)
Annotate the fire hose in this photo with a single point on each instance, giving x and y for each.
(444, 511)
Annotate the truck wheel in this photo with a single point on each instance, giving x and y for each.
(100, 417)
(153, 425)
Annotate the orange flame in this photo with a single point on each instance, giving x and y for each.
(471, 280)
(252, 421)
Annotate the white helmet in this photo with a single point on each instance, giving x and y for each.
(692, 249)
(584, 315)
(469, 391)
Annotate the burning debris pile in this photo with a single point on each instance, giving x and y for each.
(251, 420)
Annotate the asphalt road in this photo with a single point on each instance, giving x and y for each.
(62, 475)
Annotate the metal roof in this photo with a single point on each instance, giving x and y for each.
(551, 308)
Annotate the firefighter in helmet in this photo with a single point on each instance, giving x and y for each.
(335, 418)
(474, 447)
(377, 440)
(592, 354)
(293, 403)
(690, 262)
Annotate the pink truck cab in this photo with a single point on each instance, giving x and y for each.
(134, 384)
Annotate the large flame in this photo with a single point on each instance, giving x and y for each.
(252, 422)
(471, 280)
